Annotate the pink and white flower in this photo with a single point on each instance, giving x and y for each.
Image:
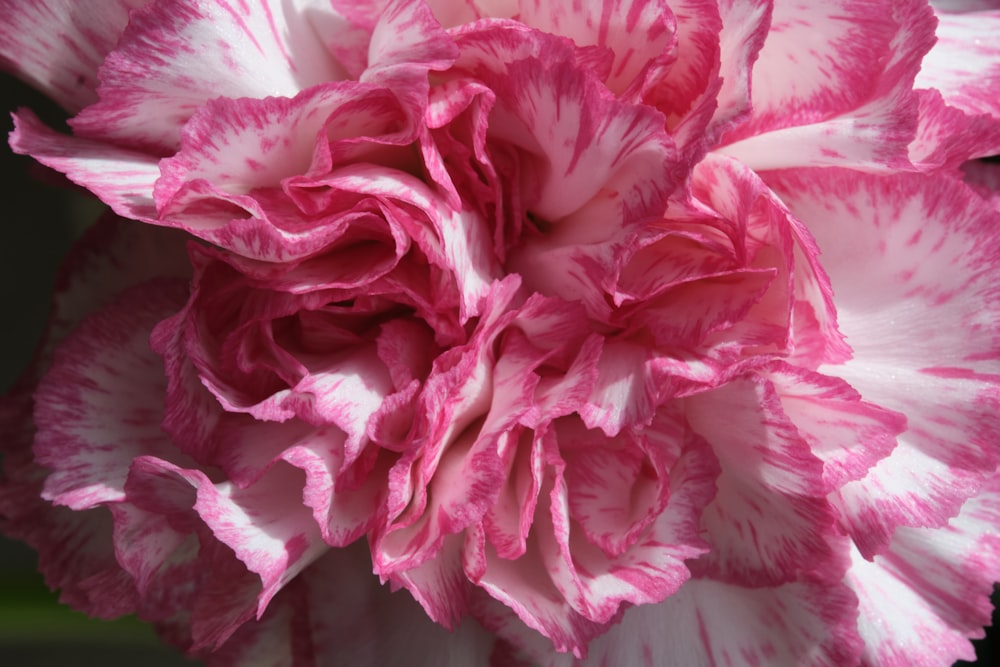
(626, 332)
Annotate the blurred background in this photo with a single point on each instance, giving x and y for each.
(40, 220)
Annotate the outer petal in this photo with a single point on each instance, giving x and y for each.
(266, 525)
(57, 45)
(76, 550)
(947, 137)
(924, 598)
(850, 435)
(899, 249)
(123, 179)
(175, 56)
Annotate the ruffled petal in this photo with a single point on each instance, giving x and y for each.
(97, 405)
(964, 65)
(407, 42)
(745, 30)
(76, 549)
(577, 145)
(631, 34)
(366, 624)
(266, 525)
(849, 434)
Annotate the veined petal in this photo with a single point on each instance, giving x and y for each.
(577, 144)
(692, 74)
(406, 42)
(600, 563)
(75, 548)
(745, 29)
(175, 56)
(237, 146)
(57, 45)
(370, 624)
(947, 136)
(898, 248)
(633, 380)
(849, 435)
(266, 525)
(158, 535)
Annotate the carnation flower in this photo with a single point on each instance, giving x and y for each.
(614, 332)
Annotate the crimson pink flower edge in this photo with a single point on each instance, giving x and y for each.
(524, 387)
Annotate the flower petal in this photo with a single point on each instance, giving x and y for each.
(898, 248)
(964, 64)
(634, 32)
(97, 407)
(850, 435)
(367, 624)
(577, 144)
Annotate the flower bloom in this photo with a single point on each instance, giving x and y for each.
(615, 332)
